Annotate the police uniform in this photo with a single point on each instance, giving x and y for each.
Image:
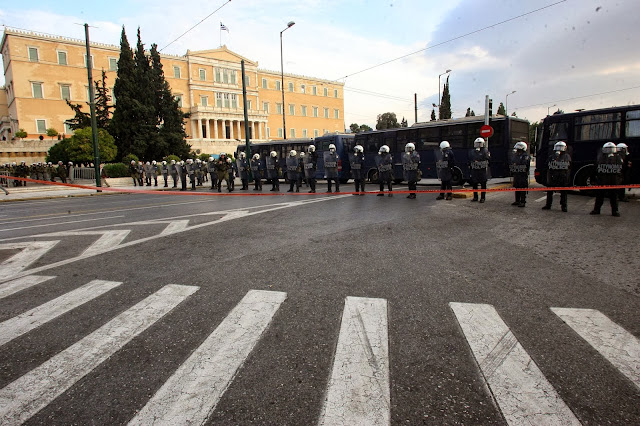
(520, 165)
(609, 172)
(558, 173)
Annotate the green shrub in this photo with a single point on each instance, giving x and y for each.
(116, 170)
(127, 158)
(172, 157)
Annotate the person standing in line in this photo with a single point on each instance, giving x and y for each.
(165, 174)
(384, 161)
(520, 165)
(331, 167)
(356, 161)
(133, 169)
(62, 172)
(273, 171)
(211, 168)
(411, 168)
(256, 171)
(231, 167)
(243, 170)
(445, 165)
(558, 173)
(609, 173)
(222, 171)
(311, 167)
(301, 177)
(191, 171)
(181, 167)
(154, 172)
(292, 170)
(140, 173)
(70, 169)
(173, 171)
(479, 164)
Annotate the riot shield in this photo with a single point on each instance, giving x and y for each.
(309, 167)
(272, 171)
(479, 164)
(410, 167)
(442, 166)
(256, 169)
(330, 165)
(356, 163)
(241, 165)
(292, 168)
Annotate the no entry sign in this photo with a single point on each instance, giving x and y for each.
(486, 131)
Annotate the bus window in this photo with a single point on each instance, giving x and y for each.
(597, 127)
(473, 132)
(348, 144)
(455, 135)
(373, 142)
(390, 140)
(406, 136)
(558, 131)
(632, 128)
(519, 132)
(428, 138)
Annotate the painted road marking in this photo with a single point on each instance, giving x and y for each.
(31, 252)
(107, 240)
(175, 227)
(192, 392)
(20, 284)
(523, 394)
(35, 390)
(59, 223)
(358, 392)
(34, 318)
(616, 344)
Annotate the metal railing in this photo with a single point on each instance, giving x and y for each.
(84, 173)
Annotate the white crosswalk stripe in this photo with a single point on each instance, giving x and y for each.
(107, 240)
(613, 342)
(358, 392)
(24, 397)
(30, 252)
(523, 394)
(34, 318)
(17, 285)
(191, 394)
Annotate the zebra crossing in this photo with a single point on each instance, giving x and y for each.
(358, 385)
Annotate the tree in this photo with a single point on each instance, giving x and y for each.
(388, 120)
(404, 123)
(21, 134)
(354, 128)
(513, 114)
(103, 108)
(445, 103)
(124, 121)
(501, 110)
(80, 146)
(559, 111)
(470, 113)
(433, 114)
(365, 128)
(51, 132)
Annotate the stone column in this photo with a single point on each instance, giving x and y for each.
(208, 127)
(239, 132)
(215, 129)
(199, 128)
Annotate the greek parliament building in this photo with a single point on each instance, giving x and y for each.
(41, 71)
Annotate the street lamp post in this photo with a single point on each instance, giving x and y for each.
(506, 103)
(446, 72)
(284, 127)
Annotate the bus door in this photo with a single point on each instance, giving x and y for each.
(428, 141)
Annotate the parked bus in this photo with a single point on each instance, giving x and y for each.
(343, 143)
(585, 132)
(460, 133)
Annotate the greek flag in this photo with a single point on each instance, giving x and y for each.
(223, 27)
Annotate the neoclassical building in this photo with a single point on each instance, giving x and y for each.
(42, 71)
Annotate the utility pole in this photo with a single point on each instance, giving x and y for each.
(247, 149)
(415, 102)
(92, 107)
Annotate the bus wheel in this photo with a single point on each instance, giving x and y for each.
(373, 176)
(458, 179)
(583, 178)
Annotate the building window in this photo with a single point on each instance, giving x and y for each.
(234, 101)
(303, 110)
(41, 126)
(218, 75)
(179, 99)
(325, 131)
(203, 74)
(36, 88)
(326, 91)
(113, 96)
(248, 80)
(113, 64)
(314, 90)
(292, 109)
(265, 107)
(219, 100)
(93, 62)
(204, 101)
(33, 54)
(62, 58)
(304, 133)
(336, 113)
(225, 76)
(290, 86)
(249, 104)
(65, 92)
(268, 133)
(326, 113)
(233, 77)
(315, 111)
(292, 133)
(303, 88)
(279, 132)
(278, 87)
(264, 83)
(67, 129)
(225, 96)
(176, 71)
(335, 93)
(315, 133)
(278, 108)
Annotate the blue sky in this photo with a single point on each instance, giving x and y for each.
(562, 55)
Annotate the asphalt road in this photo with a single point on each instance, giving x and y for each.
(376, 309)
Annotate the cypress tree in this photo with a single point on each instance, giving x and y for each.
(445, 104)
(146, 138)
(124, 122)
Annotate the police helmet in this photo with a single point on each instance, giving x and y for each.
(444, 145)
(560, 146)
(70, 163)
(164, 163)
(293, 153)
(223, 154)
(198, 160)
(384, 149)
(520, 145)
(274, 154)
(133, 161)
(410, 147)
(189, 161)
(148, 163)
(229, 160)
(622, 147)
(312, 148)
(173, 161)
(609, 148)
(182, 163)
(242, 155)
(478, 143)
(332, 147)
(256, 156)
(210, 159)
(154, 162)
(359, 148)
(301, 154)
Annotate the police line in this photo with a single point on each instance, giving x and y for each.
(248, 194)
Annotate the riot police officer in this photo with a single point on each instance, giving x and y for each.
(62, 172)
(173, 171)
(147, 173)
(609, 172)
(133, 169)
(140, 173)
(211, 168)
(182, 172)
(293, 170)
(256, 171)
(384, 162)
(623, 151)
(356, 161)
(479, 165)
(231, 167)
(165, 173)
(520, 164)
(273, 169)
(558, 172)
(411, 168)
(222, 171)
(310, 167)
(445, 164)
(243, 170)
(191, 171)
(154, 172)
(331, 167)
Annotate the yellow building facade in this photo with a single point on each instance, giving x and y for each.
(41, 71)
